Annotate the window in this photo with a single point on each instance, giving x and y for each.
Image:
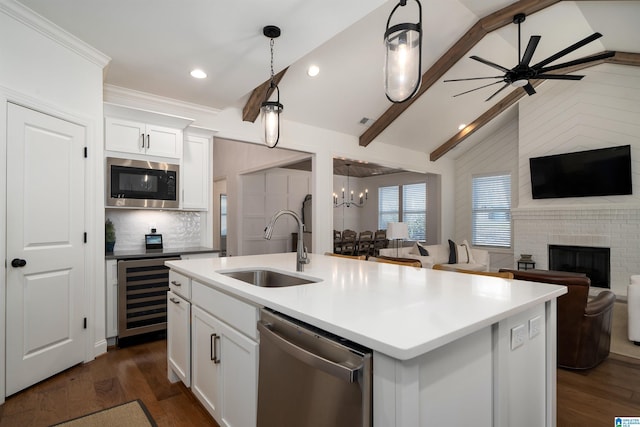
(406, 203)
(491, 210)
(388, 206)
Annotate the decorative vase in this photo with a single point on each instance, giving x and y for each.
(109, 247)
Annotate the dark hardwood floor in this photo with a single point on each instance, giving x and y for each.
(121, 375)
(585, 398)
(596, 396)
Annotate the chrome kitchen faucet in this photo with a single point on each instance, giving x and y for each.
(302, 251)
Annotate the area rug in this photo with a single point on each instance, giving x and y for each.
(130, 414)
(620, 343)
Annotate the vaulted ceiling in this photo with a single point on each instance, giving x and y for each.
(153, 48)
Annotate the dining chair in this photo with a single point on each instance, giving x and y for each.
(357, 257)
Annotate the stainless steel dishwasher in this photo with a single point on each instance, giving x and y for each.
(310, 378)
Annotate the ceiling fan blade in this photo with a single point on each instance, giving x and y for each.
(529, 89)
(531, 47)
(559, 77)
(568, 50)
(472, 90)
(490, 64)
(497, 92)
(578, 61)
(473, 78)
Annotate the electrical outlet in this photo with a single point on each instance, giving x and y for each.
(518, 335)
(534, 326)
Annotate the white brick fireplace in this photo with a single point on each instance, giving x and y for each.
(535, 228)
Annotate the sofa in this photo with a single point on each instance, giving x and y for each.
(584, 324)
(466, 257)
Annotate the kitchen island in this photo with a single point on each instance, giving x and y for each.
(449, 348)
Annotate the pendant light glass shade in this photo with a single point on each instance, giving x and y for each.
(402, 68)
(270, 112)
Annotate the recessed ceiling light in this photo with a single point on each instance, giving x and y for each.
(198, 74)
(313, 70)
(462, 126)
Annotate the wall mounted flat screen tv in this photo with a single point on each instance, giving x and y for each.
(601, 172)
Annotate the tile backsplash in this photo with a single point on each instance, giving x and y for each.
(179, 229)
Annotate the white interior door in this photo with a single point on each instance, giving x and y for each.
(45, 238)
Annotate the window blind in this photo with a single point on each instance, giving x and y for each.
(388, 205)
(414, 210)
(491, 210)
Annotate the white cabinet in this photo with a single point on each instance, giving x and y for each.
(111, 283)
(128, 136)
(195, 172)
(225, 374)
(178, 338)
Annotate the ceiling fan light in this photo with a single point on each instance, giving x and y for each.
(403, 55)
(520, 83)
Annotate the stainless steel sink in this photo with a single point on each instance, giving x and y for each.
(267, 278)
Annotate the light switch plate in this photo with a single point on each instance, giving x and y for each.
(518, 335)
(534, 326)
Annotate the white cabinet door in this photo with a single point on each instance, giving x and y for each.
(239, 360)
(206, 373)
(195, 173)
(225, 371)
(164, 141)
(124, 135)
(178, 338)
(129, 136)
(111, 272)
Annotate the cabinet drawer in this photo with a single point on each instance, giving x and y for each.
(180, 284)
(238, 314)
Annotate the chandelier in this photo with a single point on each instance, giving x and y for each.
(348, 197)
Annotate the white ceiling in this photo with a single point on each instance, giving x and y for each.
(154, 46)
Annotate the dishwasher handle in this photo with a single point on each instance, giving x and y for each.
(337, 370)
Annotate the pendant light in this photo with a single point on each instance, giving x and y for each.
(270, 110)
(402, 68)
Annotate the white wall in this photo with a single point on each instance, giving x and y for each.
(599, 111)
(51, 71)
(497, 153)
(263, 194)
(232, 159)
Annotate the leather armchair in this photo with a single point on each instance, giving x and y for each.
(584, 325)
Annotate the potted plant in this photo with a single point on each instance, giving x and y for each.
(109, 236)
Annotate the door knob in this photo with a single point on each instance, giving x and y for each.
(17, 262)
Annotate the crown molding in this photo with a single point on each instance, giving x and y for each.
(29, 18)
(124, 96)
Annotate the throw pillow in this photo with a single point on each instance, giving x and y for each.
(471, 260)
(458, 254)
(422, 249)
(453, 257)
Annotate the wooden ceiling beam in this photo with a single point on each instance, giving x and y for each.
(476, 33)
(252, 107)
(620, 58)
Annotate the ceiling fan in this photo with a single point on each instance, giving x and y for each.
(520, 75)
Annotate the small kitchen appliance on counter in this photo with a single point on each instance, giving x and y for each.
(153, 241)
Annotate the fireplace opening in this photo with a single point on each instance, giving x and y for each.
(592, 261)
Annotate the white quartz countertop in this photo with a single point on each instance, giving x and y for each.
(400, 311)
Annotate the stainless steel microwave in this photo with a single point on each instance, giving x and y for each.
(142, 184)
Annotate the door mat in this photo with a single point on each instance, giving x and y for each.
(130, 414)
